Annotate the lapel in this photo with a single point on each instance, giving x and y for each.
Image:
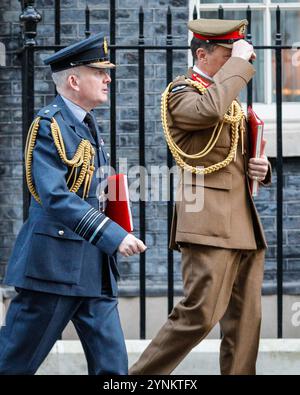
(99, 131)
(191, 74)
(79, 127)
(100, 142)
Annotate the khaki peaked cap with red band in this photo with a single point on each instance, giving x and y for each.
(219, 31)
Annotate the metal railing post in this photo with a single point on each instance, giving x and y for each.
(279, 170)
(142, 206)
(249, 38)
(113, 84)
(169, 73)
(29, 17)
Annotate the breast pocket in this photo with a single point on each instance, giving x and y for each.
(55, 254)
(209, 213)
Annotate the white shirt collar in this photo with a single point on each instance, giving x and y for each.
(77, 111)
(200, 72)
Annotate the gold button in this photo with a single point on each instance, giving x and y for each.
(46, 111)
(61, 232)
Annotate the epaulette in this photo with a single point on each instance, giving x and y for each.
(178, 84)
(49, 111)
(179, 77)
(178, 88)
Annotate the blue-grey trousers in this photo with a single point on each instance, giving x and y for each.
(35, 320)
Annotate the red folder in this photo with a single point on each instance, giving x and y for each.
(256, 130)
(118, 207)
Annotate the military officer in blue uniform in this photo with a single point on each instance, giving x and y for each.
(64, 261)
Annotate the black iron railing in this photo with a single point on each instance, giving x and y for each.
(30, 17)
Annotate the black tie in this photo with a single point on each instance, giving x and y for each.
(89, 120)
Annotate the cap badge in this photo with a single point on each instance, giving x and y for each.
(105, 46)
(242, 30)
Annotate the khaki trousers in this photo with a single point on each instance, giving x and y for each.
(220, 285)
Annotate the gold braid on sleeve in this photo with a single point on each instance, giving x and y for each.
(234, 117)
(84, 158)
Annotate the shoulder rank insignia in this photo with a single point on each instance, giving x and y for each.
(198, 78)
(178, 88)
(49, 111)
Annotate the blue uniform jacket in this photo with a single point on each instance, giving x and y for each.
(66, 241)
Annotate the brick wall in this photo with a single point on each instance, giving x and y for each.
(10, 134)
(72, 17)
(266, 205)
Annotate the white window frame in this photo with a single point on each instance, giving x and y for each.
(291, 113)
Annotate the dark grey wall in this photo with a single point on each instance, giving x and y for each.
(72, 17)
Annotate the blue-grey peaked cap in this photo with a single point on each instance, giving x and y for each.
(92, 51)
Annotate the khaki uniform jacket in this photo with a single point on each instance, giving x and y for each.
(228, 218)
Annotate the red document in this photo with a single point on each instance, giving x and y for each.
(256, 130)
(118, 207)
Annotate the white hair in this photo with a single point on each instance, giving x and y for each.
(60, 77)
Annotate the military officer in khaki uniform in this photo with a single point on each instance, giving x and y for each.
(223, 244)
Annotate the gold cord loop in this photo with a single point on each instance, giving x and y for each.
(84, 158)
(234, 117)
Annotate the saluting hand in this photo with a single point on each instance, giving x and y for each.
(258, 167)
(131, 245)
(243, 49)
